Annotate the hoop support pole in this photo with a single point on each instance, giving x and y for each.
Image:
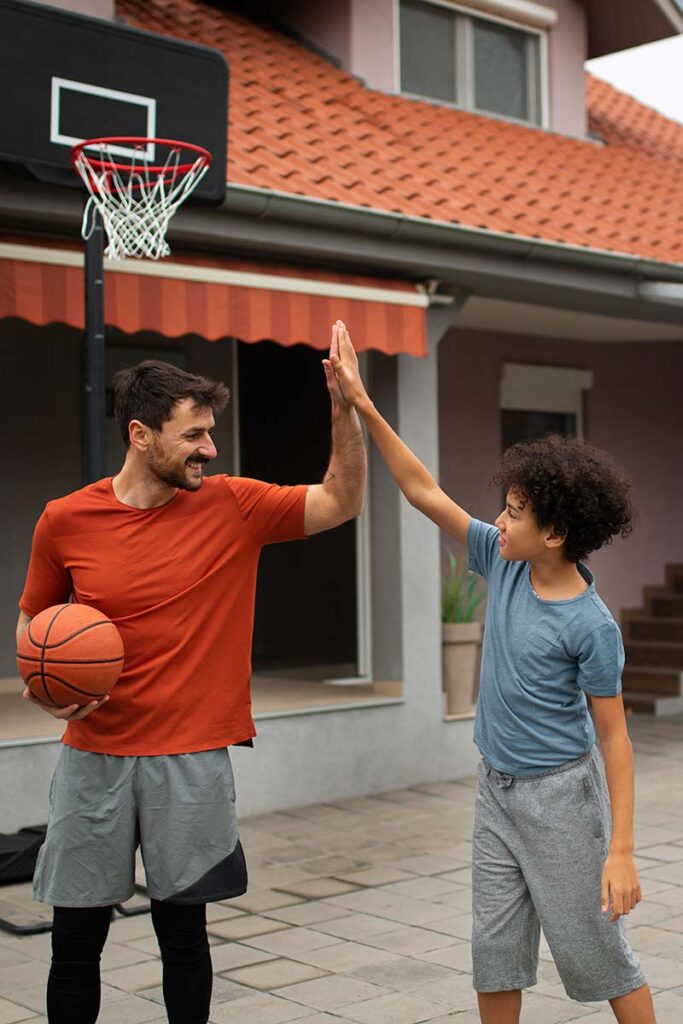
(93, 356)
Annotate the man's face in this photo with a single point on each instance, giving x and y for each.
(181, 448)
(521, 538)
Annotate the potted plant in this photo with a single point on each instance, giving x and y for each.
(462, 593)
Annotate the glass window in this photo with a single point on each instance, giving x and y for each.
(427, 50)
(502, 60)
(474, 62)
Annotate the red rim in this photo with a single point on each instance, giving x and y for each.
(140, 141)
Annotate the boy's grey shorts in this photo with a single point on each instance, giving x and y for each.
(180, 810)
(539, 848)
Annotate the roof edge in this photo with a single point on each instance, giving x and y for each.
(269, 203)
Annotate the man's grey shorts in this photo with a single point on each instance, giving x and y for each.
(180, 810)
(539, 848)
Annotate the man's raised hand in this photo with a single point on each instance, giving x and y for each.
(333, 386)
(344, 363)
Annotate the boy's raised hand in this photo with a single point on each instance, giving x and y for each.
(343, 363)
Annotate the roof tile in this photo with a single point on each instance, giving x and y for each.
(299, 124)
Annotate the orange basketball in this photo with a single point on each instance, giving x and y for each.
(70, 654)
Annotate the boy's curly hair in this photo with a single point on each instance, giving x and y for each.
(571, 486)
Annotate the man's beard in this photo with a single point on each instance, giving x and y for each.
(174, 475)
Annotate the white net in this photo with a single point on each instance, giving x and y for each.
(137, 201)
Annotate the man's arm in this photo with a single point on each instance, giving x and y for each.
(620, 883)
(71, 713)
(340, 496)
(414, 479)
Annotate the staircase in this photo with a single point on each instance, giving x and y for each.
(653, 638)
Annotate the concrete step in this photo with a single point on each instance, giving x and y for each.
(667, 606)
(658, 682)
(648, 704)
(647, 653)
(650, 627)
(674, 577)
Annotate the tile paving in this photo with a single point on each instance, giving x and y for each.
(378, 934)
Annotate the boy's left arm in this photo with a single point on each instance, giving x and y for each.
(620, 883)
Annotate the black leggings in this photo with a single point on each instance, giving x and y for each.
(78, 937)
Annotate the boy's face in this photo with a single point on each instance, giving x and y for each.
(521, 538)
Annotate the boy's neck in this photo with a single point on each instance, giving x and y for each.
(555, 579)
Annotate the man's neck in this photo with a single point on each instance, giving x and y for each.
(136, 487)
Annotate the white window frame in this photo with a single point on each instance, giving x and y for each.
(536, 388)
(464, 44)
(363, 536)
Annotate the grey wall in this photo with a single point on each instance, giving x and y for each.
(40, 422)
(384, 504)
(634, 411)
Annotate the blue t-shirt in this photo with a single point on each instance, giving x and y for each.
(539, 660)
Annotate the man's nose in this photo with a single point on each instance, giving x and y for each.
(208, 449)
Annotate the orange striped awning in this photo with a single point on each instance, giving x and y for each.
(215, 298)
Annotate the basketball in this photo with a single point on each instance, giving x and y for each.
(70, 654)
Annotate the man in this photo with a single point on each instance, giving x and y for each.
(171, 557)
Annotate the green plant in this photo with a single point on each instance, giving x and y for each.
(462, 591)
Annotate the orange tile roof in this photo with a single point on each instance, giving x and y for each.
(299, 124)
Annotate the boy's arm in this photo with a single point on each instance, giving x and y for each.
(620, 883)
(414, 479)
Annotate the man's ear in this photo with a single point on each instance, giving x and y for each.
(140, 435)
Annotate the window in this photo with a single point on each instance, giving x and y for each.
(537, 400)
(481, 64)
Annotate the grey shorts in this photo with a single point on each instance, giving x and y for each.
(539, 848)
(179, 809)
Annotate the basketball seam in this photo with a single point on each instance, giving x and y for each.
(64, 640)
(72, 661)
(44, 643)
(70, 686)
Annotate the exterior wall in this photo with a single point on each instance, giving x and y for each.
(40, 413)
(94, 8)
(363, 34)
(567, 50)
(633, 411)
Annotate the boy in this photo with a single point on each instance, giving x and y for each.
(548, 849)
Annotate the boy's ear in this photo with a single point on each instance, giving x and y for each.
(553, 539)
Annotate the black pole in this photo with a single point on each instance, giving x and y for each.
(93, 356)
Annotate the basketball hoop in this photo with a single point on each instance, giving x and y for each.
(137, 199)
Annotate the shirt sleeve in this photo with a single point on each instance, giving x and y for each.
(482, 547)
(601, 661)
(272, 512)
(48, 581)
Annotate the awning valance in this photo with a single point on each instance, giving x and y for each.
(215, 298)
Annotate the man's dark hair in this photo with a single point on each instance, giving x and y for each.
(572, 487)
(149, 391)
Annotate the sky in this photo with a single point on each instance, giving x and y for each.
(652, 73)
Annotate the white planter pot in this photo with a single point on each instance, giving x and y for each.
(461, 644)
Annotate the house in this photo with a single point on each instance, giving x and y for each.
(503, 235)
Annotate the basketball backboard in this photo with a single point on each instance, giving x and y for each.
(66, 77)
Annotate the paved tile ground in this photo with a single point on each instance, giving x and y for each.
(358, 913)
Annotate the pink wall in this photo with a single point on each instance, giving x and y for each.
(95, 8)
(567, 51)
(634, 411)
(363, 34)
(327, 24)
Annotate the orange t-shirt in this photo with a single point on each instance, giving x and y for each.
(179, 581)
